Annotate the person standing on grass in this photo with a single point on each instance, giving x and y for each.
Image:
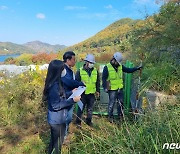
(112, 82)
(69, 81)
(89, 75)
(58, 105)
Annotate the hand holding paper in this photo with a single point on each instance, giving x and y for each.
(76, 98)
(77, 93)
(74, 90)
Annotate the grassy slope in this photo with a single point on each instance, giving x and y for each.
(24, 128)
(146, 136)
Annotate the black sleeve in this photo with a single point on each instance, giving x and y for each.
(129, 70)
(104, 77)
(78, 76)
(68, 93)
(98, 83)
(71, 83)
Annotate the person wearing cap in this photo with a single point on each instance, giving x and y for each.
(89, 75)
(112, 82)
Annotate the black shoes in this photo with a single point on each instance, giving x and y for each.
(116, 119)
(89, 123)
(78, 126)
(110, 119)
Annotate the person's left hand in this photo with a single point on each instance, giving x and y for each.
(97, 94)
(140, 67)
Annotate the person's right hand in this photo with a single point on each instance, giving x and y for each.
(76, 98)
(74, 90)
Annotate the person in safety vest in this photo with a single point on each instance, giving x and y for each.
(89, 75)
(112, 82)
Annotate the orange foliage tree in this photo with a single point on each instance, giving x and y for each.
(43, 58)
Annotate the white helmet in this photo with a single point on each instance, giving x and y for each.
(90, 58)
(118, 57)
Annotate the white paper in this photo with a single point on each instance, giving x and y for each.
(78, 92)
(80, 104)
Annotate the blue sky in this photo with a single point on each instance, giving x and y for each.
(65, 22)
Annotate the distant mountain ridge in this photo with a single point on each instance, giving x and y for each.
(43, 47)
(29, 47)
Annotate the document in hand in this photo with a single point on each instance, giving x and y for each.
(78, 92)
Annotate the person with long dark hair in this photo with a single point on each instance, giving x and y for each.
(58, 105)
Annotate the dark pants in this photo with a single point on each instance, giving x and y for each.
(115, 96)
(57, 138)
(88, 101)
(69, 119)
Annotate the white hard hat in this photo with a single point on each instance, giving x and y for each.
(90, 58)
(118, 57)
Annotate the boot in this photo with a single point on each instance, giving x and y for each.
(111, 119)
(89, 123)
(78, 124)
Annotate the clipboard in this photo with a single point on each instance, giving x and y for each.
(79, 92)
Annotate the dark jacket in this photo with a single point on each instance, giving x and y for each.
(57, 106)
(69, 81)
(89, 71)
(105, 73)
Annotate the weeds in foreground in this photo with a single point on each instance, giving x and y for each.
(24, 128)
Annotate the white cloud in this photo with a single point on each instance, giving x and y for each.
(142, 8)
(115, 14)
(75, 8)
(100, 15)
(144, 2)
(141, 1)
(92, 15)
(3, 7)
(108, 7)
(111, 15)
(146, 5)
(40, 16)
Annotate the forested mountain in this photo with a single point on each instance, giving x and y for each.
(30, 47)
(114, 37)
(12, 48)
(43, 47)
(152, 129)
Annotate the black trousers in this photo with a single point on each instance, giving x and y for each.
(88, 101)
(57, 138)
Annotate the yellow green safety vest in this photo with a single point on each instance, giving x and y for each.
(115, 78)
(89, 81)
